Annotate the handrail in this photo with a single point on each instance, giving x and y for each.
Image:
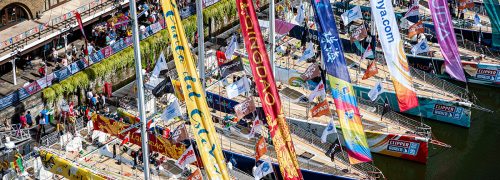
(54, 22)
(445, 86)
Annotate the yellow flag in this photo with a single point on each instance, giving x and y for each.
(65, 168)
(194, 95)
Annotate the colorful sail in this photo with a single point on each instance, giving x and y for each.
(493, 10)
(194, 95)
(392, 45)
(268, 93)
(340, 84)
(446, 38)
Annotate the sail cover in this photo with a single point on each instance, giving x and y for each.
(493, 10)
(268, 93)
(446, 38)
(340, 84)
(194, 95)
(390, 39)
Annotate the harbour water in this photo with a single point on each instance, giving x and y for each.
(474, 152)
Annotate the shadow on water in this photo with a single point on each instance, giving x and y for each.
(474, 152)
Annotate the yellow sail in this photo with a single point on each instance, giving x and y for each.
(194, 95)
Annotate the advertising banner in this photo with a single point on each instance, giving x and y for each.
(402, 146)
(390, 40)
(322, 108)
(32, 88)
(446, 38)
(340, 85)
(244, 108)
(220, 103)
(62, 167)
(156, 143)
(62, 73)
(194, 95)
(311, 72)
(231, 67)
(268, 93)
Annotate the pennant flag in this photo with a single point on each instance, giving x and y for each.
(231, 67)
(180, 134)
(415, 29)
(173, 110)
(318, 91)
(260, 148)
(78, 18)
(322, 108)
(126, 139)
(196, 175)
(330, 129)
(311, 72)
(413, 11)
(244, 108)
(221, 57)
(405, 24)
(375, 91)
(161, 64)
(231, 48)
(446, 38)
(392, 45)
(264, 169)
(163, 87)
(368, 52)
(237, 88)
(477, 20)
(371, 70)
(308, 53)
(194, 95)
(186, 158)
(351, 15)
(256, 127)
(339, 83)
(300, 15)
(268, 93)
(420, 47)
(358, 34)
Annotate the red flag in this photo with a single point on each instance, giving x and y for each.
(415, 29)
(126, 139)
(148, 124)
(196, 175)
(221, 57)
(80, 24)
(323, 108)
(371, 70)
(260, 148)
(268, 93)
(166, 133)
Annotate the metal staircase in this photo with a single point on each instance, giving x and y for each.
(15, 133)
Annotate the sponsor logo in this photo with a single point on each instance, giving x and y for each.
(448, 111)
(404, 147)
(487, 74)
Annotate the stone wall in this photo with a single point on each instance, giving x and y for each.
(31, 6)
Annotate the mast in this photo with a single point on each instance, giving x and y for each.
(140, 89)
(272, 40)
(201, 42)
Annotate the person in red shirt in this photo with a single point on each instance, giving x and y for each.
(24, 122)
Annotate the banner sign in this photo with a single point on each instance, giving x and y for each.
(340, 85)
(61, 166)
(402, 146)
(194, 95)
(244, 108)
(268, 93)
(322, 108)
(416, 29)
(391, 43)
(156, 143)
(358, 33)
(220, 103)
(448, 111)
(311, 72)
(32, 88)
(446, 38)
(231, 67)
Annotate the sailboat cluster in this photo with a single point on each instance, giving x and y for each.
(336, 90)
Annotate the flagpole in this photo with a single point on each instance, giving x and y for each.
(272, 40)
(140, 89)
(201, 42)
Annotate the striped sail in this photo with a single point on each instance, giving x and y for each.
(194, 96)
(340, 85)
(392, 45)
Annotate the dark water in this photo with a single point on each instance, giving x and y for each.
(475, 152)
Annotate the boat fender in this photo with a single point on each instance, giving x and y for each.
(465, 104)
(418, 138)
